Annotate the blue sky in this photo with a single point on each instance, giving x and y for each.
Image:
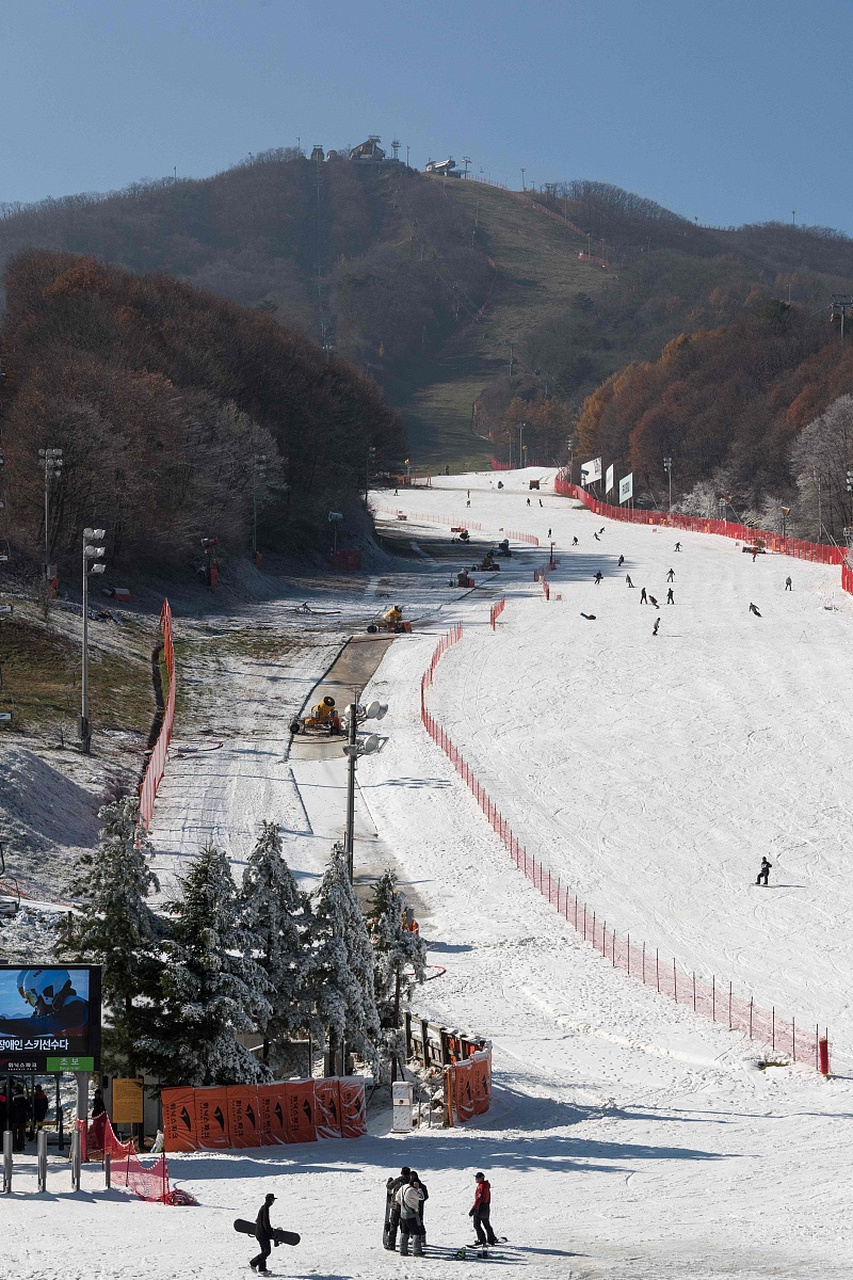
(731, 111)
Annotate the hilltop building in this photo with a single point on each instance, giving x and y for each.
(446, 168)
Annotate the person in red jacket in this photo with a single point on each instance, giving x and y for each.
(481, 1209)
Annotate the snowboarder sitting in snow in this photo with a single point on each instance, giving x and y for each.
(764, 873)
(392, 1220)
(409, 1198)
(263, 1235)
(753, 609)
(480, 1211)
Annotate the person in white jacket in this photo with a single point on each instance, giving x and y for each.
(409, 1198)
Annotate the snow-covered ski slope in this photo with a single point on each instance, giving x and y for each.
(628, 1138)
(652, 772)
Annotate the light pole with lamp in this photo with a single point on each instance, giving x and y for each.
(352, 749)
(667, 466)
(570, 445)
(786, 511)
(91, 565)
(51, 460)
(521, 446)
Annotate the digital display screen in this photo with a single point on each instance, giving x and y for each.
(50, 1018)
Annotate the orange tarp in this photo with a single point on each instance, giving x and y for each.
(353, 1107)
(327, 1108)
(244, 1122)
(179, 1124)
(464, 1098)
(211, 1111)
(272, 1102)
(481, 1083)
(299, 1095)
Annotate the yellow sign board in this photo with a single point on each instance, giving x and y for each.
(127, 1101)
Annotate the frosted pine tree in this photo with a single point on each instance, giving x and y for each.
(278, 916)
(399, 955)
(115, 927)
(213, 989)
(343, 965)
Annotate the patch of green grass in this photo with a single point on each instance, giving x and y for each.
(42, 676)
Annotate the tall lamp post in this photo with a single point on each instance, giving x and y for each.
(667, 466)
(521, 427)
(51, 460)
(91, 565)
(786, 511)
(353, 749)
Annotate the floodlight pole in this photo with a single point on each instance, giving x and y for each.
(352, 756)
(667, 466)
(90, 553)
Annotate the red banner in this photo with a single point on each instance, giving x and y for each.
(179, 1124)
(464, 1094)
(481, 1082)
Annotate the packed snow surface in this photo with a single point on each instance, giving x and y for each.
(628, 1137)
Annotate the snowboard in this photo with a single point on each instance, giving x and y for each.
(279, 1236)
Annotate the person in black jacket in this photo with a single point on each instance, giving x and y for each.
(764, 873)
(19, 1115)
(417, 1181)
(263, 1235)
(41, 1104)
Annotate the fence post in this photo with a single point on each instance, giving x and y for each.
(713, 997)
(593, 931)
(793, 1037)
(674, 981)
(773, 1027)
(41, 1146)
(7, 1162)
(576, 911)
(657, 969)
(694, 990)
(629, 955)
(750, 1017)
(613, 949)
(584, 922)
(730, 1006)
(75, 1159)
(108, 1170)
(644, 964)
(823, 1053)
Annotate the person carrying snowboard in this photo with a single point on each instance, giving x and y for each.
(392, 1208)
(263, 1235)
(764, 873)
(409, 1198)
(480, 1211)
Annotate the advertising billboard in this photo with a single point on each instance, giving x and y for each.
(608, 479)
(626, 487)
(50, 1018)
(591, 471)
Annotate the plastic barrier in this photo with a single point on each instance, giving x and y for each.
(433, 518)
(710, 996)
(157, 761)
(223, 1118)
(496, 611)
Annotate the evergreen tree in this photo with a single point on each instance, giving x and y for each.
(395, 948)
(343, 965)
(213, 988)
(116, 928)
(278, 916)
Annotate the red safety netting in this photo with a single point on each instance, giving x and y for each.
(157, 760)
(420, 517)
(98, 1140)
(708, 995)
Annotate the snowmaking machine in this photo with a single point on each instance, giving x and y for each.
(323, 718)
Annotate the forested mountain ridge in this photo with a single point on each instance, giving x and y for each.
(478, 309)
(180, 415)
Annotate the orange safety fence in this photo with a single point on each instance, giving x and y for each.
(98, 1140)
(711, 996)
(420, 517)
(241, 1116)
(156, 766)
(815, 551)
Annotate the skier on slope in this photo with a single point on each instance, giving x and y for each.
(409, 1198)
(263, 1235)
(392, 1208)
(628, 579)
(621, 562)
(480, 1211)
(753, 609)
(788, 586)
(598, 577)
(670, 598)
(643, 597)
(764, 873)
(670, 577)
(656, 626)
